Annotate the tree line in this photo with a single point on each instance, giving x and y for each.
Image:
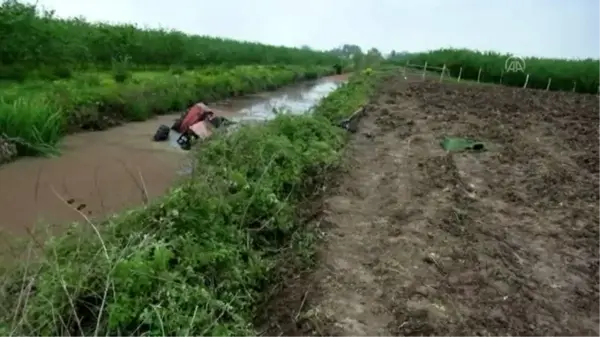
(35, 42)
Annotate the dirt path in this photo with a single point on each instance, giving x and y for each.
(106, 172)
(422, 242)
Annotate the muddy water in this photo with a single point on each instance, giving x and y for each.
(101, 173)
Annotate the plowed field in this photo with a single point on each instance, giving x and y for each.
(419, 241)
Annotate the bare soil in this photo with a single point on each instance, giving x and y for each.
(418, 241)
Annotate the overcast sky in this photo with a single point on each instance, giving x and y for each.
(550, 28)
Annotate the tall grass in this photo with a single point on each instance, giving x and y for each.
(37, 44)
(202, 259)
(566, 74)
(34, 126)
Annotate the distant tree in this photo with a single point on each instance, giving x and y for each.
(373, 56)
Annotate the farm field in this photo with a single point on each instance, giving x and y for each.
(421, 241)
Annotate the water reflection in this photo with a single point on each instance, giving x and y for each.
(296, 101)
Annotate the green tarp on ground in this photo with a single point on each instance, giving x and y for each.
(457, 144)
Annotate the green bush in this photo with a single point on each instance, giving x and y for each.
(30, 40)
(565, 74)
(200, 260)
(40, 113)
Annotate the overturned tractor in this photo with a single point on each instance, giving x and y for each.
(196, 123)
(199, 121)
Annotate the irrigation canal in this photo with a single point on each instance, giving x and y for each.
(103, 172)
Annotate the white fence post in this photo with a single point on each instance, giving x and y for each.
(443, 71)
(574, 85)
(479, 75)
(526, 81)
(501, 76)
(549, 82)
(459, 74)
(424, 70)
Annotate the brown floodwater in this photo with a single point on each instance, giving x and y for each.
(104, 172)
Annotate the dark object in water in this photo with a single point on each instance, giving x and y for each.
(185, 140)
(162, 133)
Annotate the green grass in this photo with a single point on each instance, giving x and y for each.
(565, 74)
(35, 44)
(37, 114)
(201, 260)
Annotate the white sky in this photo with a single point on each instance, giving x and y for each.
(550, 28)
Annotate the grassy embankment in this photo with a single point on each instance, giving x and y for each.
(60, 76)
(199, 261)
(565, 74)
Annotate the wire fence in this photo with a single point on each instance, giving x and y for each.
(444, 72)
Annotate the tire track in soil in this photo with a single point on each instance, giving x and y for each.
(422, 242)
